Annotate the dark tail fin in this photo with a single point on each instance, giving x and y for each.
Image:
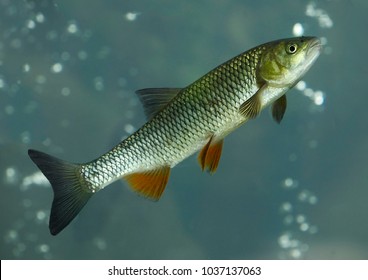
(70, 195)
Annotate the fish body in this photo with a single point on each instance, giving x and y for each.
(182, 121)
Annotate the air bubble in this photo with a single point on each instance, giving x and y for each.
(301, 85)
(304, 227)
(31, 24)
(72, 28)
(2, 83)
(300, 219)
(289, 183)
(298, 29)
(57, 68)
(41, 215)
(82, 55)
(99, 83)
(65, 91)
(43, 248)
(41, 79)
(129, 128)
(286, 207)
(131, 16)
(40, 18)
(26, 68)
(318, 98)
(11, 175)
(100, 243)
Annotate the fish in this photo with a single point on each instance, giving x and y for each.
(180, 122)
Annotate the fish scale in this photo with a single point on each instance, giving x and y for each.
(184, 116)
(181, 122)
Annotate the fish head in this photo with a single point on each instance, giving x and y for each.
(284, 62)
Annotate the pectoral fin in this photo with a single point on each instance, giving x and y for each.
(209, 156)
(154, 99)
(279, 108)
(251, 107)
(149, 183)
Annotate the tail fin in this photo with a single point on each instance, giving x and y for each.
(70, 195)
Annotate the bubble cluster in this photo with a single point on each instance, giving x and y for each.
(294, 220)
(323, 18)
(317, 97)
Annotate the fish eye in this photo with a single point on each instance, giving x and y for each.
(291, 48)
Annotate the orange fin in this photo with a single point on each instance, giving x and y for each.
(149, 183)
(210, 155)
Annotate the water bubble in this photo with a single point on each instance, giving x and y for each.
(25, 137)
(295, 253)
(99, 83)
(26, 67)
(65, 91)
(82, 55)
(298, 29)
(41, 215)
(129, 128)
(40, 18)
(312, 199)
(31, 24)
(313, 229)
(301, 85)
(300, 219)
(43, 248)
(52, 35)
(131, 16)
(100, 243)
(11, 236)
(290, 183)
(57, 68)
(323, 18)
(41, 79)
(36, 178)
(284, 240)
(286, 207)
(304, 226)
(65, 56)
(11, 175)
(72, 28)
(318, 98)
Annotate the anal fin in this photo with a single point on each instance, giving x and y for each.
(209, 156)
(150, 183)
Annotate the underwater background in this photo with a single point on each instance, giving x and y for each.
(68, 73)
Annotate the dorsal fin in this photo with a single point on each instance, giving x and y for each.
(154, 99)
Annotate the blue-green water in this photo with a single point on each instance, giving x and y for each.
(68, 72)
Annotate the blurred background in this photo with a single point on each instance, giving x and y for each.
(68, 73)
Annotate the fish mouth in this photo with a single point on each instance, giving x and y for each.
(314, 48)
